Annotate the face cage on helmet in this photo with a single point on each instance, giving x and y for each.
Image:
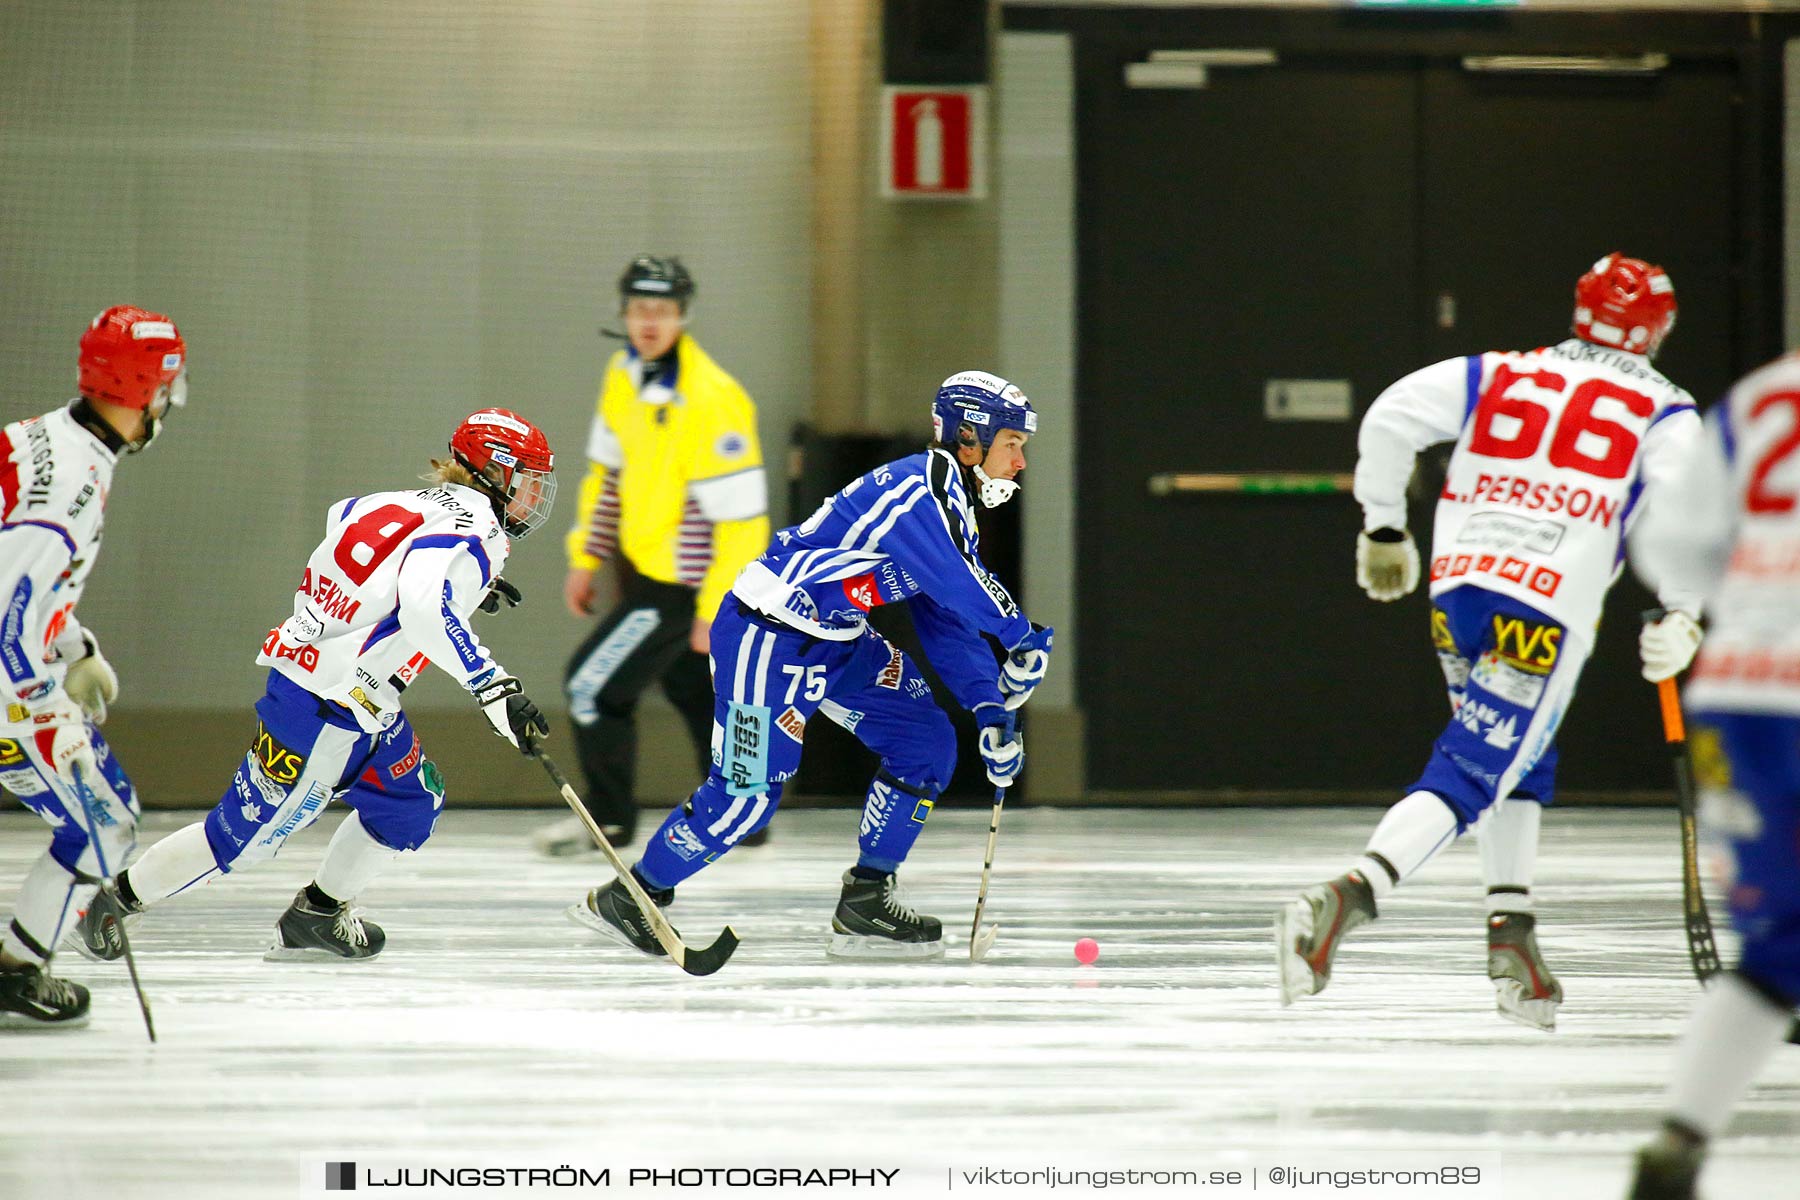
(174, 395)
(538, 512)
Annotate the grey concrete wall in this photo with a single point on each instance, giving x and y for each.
(369, 220)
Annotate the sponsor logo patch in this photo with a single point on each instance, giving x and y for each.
(860, 591)
(276, 760)
(1528, 645)
(681, 838)
(889, 676)
(499, 419)
(23, 781)
(406, 764)
(746, 749)
(306, 657)
(792, 724)
(1512, 684)
(1502, 532)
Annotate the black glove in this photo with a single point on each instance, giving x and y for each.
(501, 590)
(512, 714)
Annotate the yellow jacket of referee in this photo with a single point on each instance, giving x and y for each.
(675, 477)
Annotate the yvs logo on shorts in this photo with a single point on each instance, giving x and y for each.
(1526, 644)
(276, 760)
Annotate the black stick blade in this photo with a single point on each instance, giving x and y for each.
(711, 958)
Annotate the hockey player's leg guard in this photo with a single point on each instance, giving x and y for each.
(1668, 1167)
(1309, 930)
(894, 814)
(313, 930)
(30, 993)
(611, 912)
(1524, 989)
(703, 828)
(873, 920)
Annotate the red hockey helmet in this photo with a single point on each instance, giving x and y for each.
(1625, 303)
(129, 356)
(511, 460)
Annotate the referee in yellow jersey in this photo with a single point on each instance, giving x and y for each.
(675, 491)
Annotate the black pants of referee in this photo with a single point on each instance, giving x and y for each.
(643, 639)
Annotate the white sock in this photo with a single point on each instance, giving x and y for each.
(1409, 835)
(1733, 1031)
(180, 861)
(352, 861)
(45, 910)
(1508, 837)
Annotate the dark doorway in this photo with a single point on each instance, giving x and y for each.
(1350, 215)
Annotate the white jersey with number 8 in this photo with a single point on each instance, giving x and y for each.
(1557, 451)
(390, 589)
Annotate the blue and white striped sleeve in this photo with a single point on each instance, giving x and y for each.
(935, 542)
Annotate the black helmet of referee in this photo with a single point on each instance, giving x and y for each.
(651, 275)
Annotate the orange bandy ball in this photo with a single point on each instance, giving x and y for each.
(1086, 951)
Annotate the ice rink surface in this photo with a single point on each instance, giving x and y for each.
(493, 1031)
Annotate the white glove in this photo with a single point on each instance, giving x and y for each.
(1024, 668)
(1667, 646)
(70, 748)
(1002, 753)
(91, 682)
(1387, 563)
(53, 713)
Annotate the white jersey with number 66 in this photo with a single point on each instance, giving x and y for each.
(1558, 450)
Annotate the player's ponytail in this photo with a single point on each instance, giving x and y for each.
(448, 471)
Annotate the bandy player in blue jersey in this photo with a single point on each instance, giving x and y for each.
(792, 641)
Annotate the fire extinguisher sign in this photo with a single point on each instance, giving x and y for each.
(934, 142)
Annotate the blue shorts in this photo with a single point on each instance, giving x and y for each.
(1747, 770)
(308, 752)
(1511, 672)
(769, 682)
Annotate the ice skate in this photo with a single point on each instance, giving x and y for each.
(31, 996)
(1308, 932)
(569, 837)
(873, 920)
(306, 931)
(612, 912)
(1667, 1169)
(1524, 989)
(98, 932)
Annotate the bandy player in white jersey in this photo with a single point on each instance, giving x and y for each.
(1733, 534)
(390, 589)
(56, 474)
(1557, 451)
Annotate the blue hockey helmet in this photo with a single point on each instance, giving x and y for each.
(984, 404)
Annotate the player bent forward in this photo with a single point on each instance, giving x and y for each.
(56, 474)
(390, 590)
(1731, 535)
(792, 640)
(1556, 450)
